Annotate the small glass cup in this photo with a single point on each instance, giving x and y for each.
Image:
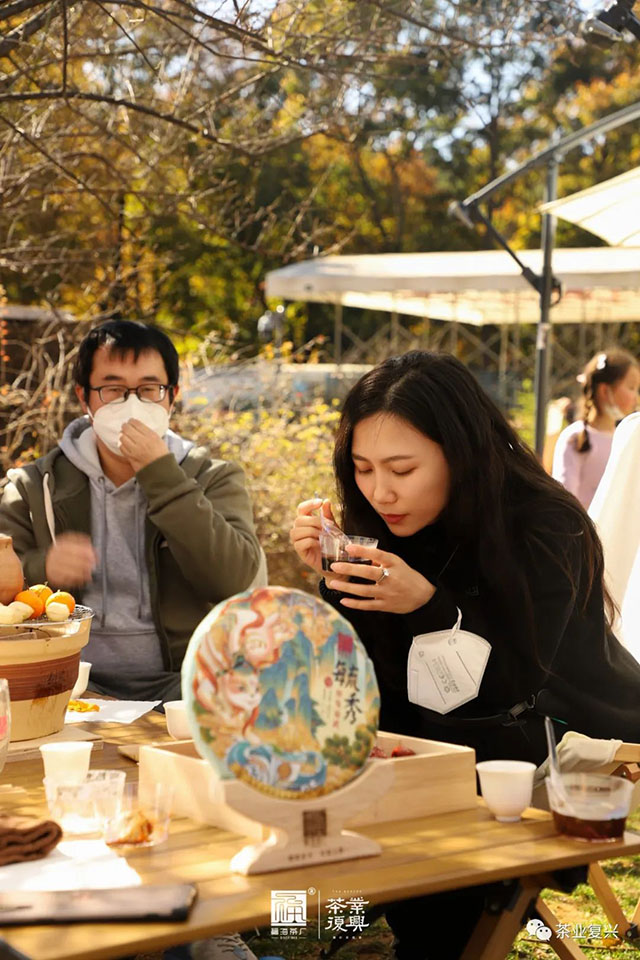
(85, 809)
(67, 762)
(144, 816)
(334, 549)
(594, 808)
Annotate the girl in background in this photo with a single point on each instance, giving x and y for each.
(610, 383)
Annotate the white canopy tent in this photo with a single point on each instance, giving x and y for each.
(470, 289)
(600, 285)
(610, 209)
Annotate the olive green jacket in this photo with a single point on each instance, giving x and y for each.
(200, 543)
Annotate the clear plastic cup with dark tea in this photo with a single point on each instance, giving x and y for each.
(594, 808)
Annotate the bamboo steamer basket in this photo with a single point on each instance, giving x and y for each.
(40, 660)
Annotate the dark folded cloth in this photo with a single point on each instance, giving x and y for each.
(23, 838)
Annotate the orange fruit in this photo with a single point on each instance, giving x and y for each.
(61, 596)
(42, 590)
(32, 600)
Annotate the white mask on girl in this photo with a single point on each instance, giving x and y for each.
(611, 409)
(108, 420)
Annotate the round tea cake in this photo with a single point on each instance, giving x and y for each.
(280, 693)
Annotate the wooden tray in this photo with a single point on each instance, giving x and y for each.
(439, 778)
(29, 749)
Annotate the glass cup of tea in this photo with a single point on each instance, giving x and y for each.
(144, 816)
(334, 548)
(594, 807)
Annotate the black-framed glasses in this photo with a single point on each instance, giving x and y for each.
(146, 392)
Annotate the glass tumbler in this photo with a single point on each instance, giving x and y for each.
(85, 809)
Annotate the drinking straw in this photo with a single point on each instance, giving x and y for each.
(554, 766)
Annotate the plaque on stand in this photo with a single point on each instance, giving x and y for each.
(308, 832)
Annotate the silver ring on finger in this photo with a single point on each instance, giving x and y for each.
(383, 575)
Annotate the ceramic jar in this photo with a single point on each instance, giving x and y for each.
(41, 665)
(11, 576)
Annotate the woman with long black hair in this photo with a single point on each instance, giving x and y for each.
(474, 537)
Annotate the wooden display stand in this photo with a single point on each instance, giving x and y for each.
(302, 832)
(439, 778)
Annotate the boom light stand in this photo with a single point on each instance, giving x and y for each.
(547, 286)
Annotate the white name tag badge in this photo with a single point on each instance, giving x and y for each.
(445, 668)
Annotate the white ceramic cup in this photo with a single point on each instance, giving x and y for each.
(506, 786)
(177, 723)
(66, 762)
(84, 669)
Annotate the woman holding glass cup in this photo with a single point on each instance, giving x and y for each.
(482, 550)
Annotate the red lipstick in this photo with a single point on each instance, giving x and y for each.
(393, 517)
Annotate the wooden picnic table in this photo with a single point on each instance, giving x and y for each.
(419, 856)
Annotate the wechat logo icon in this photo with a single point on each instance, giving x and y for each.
(537, 929)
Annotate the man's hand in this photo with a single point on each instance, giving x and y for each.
(70, 560)
(140, 445)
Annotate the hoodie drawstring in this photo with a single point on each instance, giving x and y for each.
(103, 547)
(139, 534)
(48, 508)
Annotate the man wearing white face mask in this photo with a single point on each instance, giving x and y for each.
(141, 525)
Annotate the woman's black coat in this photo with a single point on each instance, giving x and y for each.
(574, 666)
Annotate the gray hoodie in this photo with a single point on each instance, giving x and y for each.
(124, 648)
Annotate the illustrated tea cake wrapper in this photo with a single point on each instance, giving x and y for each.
(281, 693)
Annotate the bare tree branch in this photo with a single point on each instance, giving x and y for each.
(19, 6)
(65, 45)
(27, 29)
(149, 146)
(56, 163)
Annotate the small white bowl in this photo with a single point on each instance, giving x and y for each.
(82, 682)
(177, 723)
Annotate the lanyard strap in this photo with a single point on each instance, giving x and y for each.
(514, 716)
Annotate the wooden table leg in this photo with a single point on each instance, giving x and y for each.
(565, 948)
(604, 892)
(494, 934)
